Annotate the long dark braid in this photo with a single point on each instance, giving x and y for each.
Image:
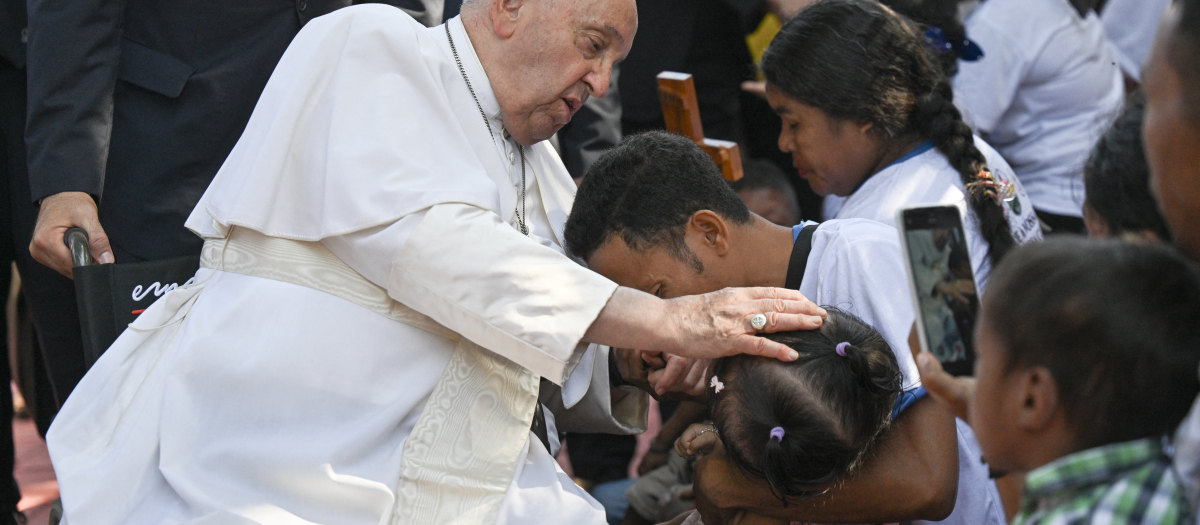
(937, 118)
(858, 60)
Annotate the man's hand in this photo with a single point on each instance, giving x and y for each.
(718, 324)
(58, 213)
(705, 326)
(952, 392)
(634, 370)
(682, 375)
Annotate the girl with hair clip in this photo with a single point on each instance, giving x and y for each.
(870, 122)
(806, 423)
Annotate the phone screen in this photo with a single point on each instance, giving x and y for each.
(941, 277)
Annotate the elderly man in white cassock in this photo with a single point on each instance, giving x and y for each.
(383, 296)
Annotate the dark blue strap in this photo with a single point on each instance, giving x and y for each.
(907, 398)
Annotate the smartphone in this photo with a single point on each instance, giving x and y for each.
(942, 283)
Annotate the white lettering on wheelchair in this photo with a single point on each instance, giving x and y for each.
(140, 293)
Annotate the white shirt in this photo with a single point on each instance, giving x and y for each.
(1131, 26)
(856, 265)
(928, 179)
(1047, 87)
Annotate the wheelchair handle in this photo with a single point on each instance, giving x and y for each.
(77, 242)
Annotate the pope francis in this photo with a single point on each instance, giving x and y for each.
(385, 328)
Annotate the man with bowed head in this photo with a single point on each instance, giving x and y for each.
(384, 328)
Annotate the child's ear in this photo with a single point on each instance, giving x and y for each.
(1039, 399)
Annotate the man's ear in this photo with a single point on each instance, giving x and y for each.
(864, 128)
(713, 229)
(504, 14)
(1039, 399)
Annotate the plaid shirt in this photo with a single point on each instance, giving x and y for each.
(1121, 483)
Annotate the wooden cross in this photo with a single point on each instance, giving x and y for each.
(681, 112)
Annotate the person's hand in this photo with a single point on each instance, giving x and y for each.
(682, 375)
(698, 439)
(717, 324)
(755, 87)
(952, 392)
(58, 213)
(633, 368)
(951, 289)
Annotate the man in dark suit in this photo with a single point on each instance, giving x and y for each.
(133, 106)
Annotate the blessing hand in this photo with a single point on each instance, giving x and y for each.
(719, 324)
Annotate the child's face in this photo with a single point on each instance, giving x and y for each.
(996, 404)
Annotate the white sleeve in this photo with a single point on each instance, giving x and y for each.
(473, 273)
(985, 89)
(856, 266)
(589, 403)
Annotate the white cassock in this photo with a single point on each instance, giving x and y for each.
(366, 336)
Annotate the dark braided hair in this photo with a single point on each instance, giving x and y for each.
(832, 409)
(858, 60)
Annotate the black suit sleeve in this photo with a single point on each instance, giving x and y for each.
(73, 56)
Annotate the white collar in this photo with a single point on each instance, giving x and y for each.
(475, 72)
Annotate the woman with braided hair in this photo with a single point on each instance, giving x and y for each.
(870, 122)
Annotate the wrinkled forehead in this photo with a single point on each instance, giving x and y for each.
(615, 18)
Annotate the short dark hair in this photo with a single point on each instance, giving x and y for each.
(762, 174)
(1117, 178)
(1116, 323)
(832, 409)
(1183, 54)
(645, 190)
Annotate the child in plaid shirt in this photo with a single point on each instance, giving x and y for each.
(1087, 358)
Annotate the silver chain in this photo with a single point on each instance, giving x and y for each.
(486, 122)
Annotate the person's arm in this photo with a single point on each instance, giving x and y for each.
(913, 476)
(74, 50)
(470, 271)
(663, 444)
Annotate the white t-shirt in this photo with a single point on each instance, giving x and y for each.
(1047, 87)
(857, 266)
(928, 179)
(1131, 26)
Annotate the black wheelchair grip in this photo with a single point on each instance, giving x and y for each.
(77, 242)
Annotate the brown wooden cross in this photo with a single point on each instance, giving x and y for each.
(681, 112)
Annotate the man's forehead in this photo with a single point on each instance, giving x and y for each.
(619, 261)
(617, 19)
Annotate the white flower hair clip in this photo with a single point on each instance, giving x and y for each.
(716, 385)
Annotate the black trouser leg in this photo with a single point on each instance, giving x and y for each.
(12, 165)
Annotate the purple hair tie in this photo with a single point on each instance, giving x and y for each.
(777, 433)
(841, 348)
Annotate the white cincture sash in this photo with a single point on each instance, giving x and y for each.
(462, 454)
